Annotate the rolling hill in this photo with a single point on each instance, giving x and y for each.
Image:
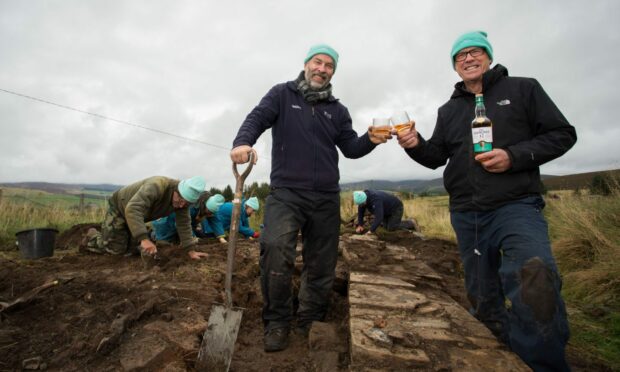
(434, 186)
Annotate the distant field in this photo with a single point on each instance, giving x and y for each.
(44, 198)
(577, 181)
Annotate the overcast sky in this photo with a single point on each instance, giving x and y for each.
(195, 69)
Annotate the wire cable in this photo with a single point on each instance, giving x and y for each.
(129, 123)
(114, 120)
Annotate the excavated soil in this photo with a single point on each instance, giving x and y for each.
(83, 312)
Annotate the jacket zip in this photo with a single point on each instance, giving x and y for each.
(314, 170)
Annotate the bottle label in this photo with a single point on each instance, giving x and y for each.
(482, 138)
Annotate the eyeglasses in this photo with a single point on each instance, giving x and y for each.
(461, 56)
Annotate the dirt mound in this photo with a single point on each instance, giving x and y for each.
(129, 313)
(73, 236)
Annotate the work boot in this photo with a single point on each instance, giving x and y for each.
(84, 244)
(276, 339)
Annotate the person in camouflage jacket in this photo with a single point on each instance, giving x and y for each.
(131, 207)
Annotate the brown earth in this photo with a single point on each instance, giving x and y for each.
(104, 313)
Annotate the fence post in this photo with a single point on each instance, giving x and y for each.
(81, 203)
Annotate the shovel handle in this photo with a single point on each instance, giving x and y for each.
(234, 226)
(241, 177)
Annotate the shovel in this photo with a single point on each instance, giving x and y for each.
(218, 342)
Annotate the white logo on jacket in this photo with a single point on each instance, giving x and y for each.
(327, 114)
(296, 107)
(503, 102)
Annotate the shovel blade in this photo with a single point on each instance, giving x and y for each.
(218, 342)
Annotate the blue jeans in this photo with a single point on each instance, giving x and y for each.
(512, 280)
(317, 216)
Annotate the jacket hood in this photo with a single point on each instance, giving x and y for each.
(488, 78)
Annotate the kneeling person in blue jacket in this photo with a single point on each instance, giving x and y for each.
(224, 218)
(165, 228)
(386, 209)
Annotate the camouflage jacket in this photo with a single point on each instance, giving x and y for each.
(148, 200)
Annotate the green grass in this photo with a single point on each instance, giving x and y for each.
(586, 242)
(597, 338)
(432, 216)
(43, 198)
(22, 209)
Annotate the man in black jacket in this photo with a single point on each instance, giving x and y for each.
(307, 124)
(386, 209)
(495, 200)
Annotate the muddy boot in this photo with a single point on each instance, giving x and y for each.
(276, 339)
(89, 242)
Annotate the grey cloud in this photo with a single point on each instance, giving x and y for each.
(195, 69)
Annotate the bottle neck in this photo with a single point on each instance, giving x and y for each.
(480, 110)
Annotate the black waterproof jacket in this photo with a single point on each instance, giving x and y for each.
(381, 204)
(526, 123)
(305, 137)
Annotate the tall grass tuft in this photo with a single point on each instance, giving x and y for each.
(432, 215)
(586, 242)
(585, 237)
(17, 216)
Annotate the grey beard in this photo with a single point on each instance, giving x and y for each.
(313, 85)
(312, 95)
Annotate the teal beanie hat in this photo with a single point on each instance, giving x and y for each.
(472, 39)
(191, 188)
(215, 202)
(322, 49)
(359, 197)
(253, 203)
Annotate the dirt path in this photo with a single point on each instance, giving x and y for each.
(123, 313)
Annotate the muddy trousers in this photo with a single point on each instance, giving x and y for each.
(512, 280)
(393, 221)
(317, 216)
(114, 238)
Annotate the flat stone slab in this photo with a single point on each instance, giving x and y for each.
(400, 319)
(357, 277)
(377, 296)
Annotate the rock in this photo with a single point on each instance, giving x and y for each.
(380, 322)
(33, 363)
(145, 353)
(167, 317)
(379, 337)
(367, 278)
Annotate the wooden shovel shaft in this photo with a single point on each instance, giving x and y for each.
(234, 226)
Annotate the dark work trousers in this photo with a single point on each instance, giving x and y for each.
(317, 216)
(512, 280)
(392, 221)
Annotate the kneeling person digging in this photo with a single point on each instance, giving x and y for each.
(131, 207)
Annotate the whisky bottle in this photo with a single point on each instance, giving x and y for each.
(481, 128)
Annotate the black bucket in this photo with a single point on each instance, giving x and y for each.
(36, 243)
